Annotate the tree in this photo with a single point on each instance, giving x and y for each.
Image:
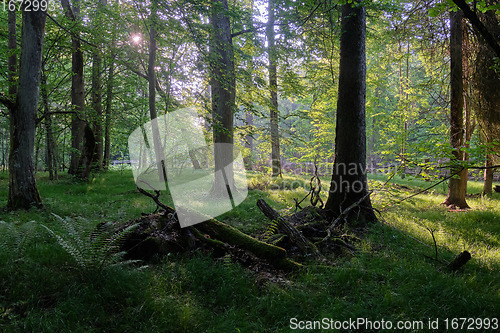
(486, 81)
(273, 89)
(23, 191)
(51, 153)
(349, 183)
(107, 114)
(480, 28)
(457, 186)
(97, 94)
(223, 92)
(82, 139)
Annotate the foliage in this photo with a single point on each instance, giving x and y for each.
(389, 277)
(92, 250)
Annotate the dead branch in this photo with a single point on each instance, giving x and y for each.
(156, 199)
(286, 228)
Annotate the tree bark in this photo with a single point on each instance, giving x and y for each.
(77, 95)
(158, 148)
(23, 191)
(51, 151)
(223, 90)
(12, 59)
(349, 183)
(457, 186)
(486, 81)
(480, 28)
(107, 124)
(97, 108)
(273, 89)
(248, 160)
(97, 123)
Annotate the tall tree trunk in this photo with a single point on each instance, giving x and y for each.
(97, 93)
(457, 186)
(248, 141)
(97, 108)
(469, 121)
(273, 89)
(349, 183)
(23, 191)
(223, 96)
(109, 104)
(158, 147)
(77, 95)
(51, 152)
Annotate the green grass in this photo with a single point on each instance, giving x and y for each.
(390, 279)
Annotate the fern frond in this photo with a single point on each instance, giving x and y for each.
(92, 249)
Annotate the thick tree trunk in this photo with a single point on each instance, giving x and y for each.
(223, 91)
(273, 89)
(457, 186)
(23, 191)
(107, 124)
(349, 183)
(77, 96)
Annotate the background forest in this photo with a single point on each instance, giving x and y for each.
(78, 77)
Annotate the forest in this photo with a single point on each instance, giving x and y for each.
(249, 165)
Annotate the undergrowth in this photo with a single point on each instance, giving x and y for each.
(43, 290)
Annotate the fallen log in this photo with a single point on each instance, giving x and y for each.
(459, 261)
(160, 234)
(286, 228)
(232, 236)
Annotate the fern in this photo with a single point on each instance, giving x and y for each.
(272, 229)
(275, 239)
(92, 250)
(14, 239)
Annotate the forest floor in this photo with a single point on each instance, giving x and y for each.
(390, 277)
